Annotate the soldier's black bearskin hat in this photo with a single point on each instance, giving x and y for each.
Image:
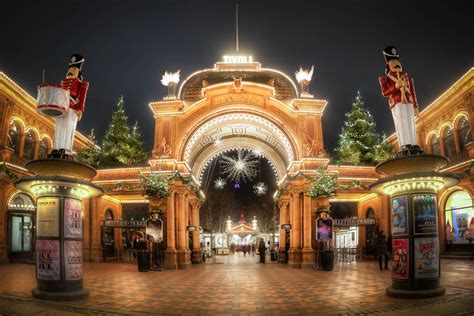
(390, 53)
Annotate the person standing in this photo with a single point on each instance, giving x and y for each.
(382, 250)
(261, 250)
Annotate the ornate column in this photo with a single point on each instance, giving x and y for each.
(283, 220)
(183, 261)
(195, 205)
(21, 146)
(95, 254)
(308, 251)
(170, 252)
(295, 240)
(3, 219)
(36, 148)
(457, 141)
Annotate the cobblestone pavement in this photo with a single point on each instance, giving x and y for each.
(238, 286)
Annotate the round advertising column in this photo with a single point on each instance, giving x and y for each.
(412, 183)
(59, 187)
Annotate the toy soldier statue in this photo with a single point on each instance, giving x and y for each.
(400, 89)
(66, 125)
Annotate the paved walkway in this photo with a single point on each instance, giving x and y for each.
(238, 286)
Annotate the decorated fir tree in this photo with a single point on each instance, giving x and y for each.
(91, 153)
(359, 143)
(121, 145)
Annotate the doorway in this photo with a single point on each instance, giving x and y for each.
(21, 228)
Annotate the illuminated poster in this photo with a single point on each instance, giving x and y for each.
(72, 218)
(426, 258)
(154, 230)
(424, 213)
(400, 265)
(73, 259)
(399, 216)
(47, 260)
(48, 217)
(324, 229)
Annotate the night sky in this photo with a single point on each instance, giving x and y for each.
(129, 44)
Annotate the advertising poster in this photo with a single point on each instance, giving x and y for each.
(424, 213)
(154, 230)
(72, 218)
(426, 258)
(399, 216)
(73, 259)
(47, 260)
(400, 264)
(48, 217)
(324, 229)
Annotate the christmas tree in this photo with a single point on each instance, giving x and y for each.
(91, 153)
(359, 143)
(119, 146)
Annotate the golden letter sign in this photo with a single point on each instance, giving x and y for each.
(251, 99)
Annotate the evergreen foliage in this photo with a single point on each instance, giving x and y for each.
(359, 143)
(90, 154)
(122, 145)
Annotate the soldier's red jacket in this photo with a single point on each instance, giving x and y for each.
(78, 91)
(387, 84)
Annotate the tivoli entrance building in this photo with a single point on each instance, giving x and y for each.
(236, 105)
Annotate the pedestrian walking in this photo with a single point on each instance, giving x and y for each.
(382, 250)
(261, 250)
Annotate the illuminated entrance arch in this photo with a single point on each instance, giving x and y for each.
(237, 105)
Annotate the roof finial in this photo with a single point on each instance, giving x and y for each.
(237, 27)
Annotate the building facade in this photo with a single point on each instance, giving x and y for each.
(235, 105)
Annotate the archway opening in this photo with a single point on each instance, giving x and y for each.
(239, 209)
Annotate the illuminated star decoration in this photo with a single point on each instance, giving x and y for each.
(240, 168)
(219, 183)
(260, 188)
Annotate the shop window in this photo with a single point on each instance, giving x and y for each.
(29, 151)
(43, 148)
(14, 132)
(459, 218)
(435, 147)
(464, 132)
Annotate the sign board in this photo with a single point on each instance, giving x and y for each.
(324, 229)
(154, 229)
(47, 260)
(125, 224)
(73, 259)
(400, 261)
(426, 258)
(48, 217)
(399, 215)
(424, 214)
(237, 59)
(72, 218)
(350, 222)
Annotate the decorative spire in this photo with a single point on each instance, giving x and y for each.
(303, 76)
(170, 80)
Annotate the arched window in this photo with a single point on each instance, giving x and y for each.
(464, 132)
(21, 202)
(43, 148)
(109, 216)
(14, 132)
(435, 148)
(459, 219)
(370, 213)
(29, 149)
(449, 143)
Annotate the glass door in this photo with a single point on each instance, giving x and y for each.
(20, 236)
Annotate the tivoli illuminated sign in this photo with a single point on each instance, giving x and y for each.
(237, 59)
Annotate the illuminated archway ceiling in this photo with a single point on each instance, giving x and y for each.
(191, 88)
(241, 128)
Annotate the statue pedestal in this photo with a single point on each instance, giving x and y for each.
(412, 183)
(59, 187)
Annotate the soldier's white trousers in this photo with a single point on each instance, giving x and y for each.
(404, 119)
(64, 132)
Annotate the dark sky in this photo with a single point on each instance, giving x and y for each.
(129, 44)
